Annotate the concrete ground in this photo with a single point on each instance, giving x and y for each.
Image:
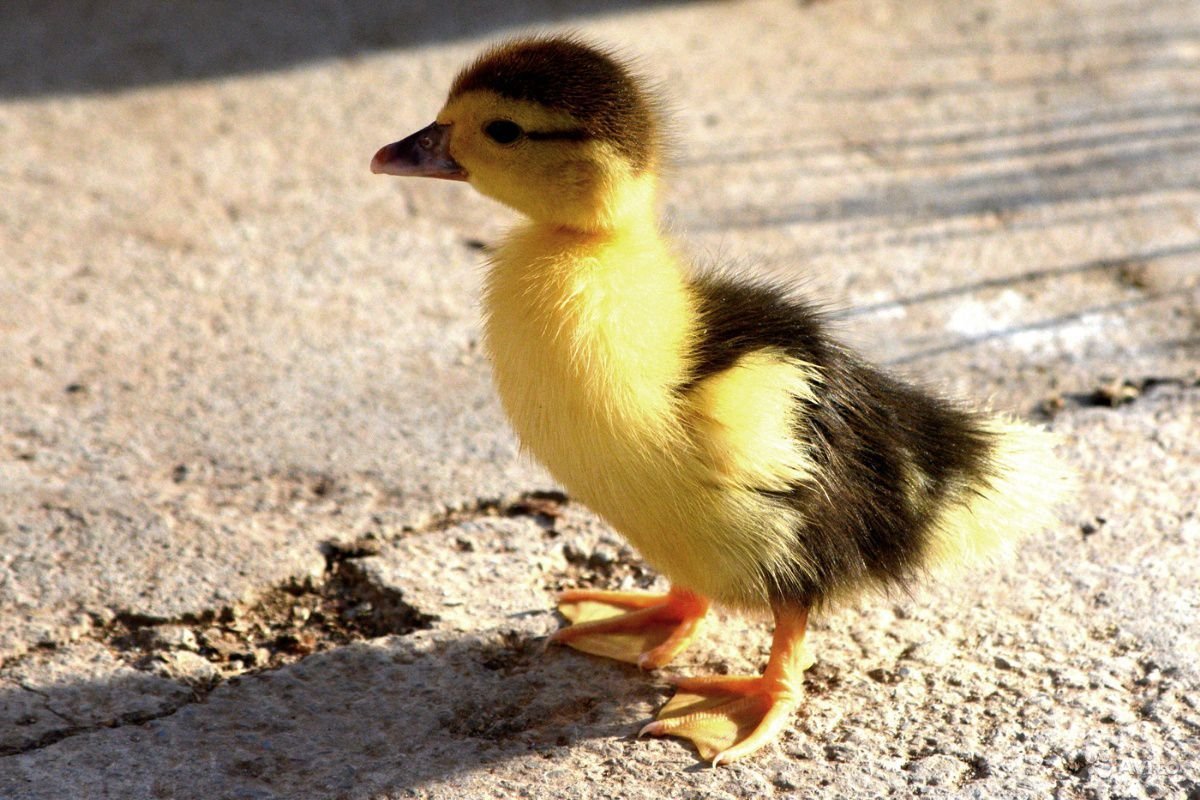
(264, 532)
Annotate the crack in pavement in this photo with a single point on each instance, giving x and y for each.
(203, 650)
(1112, 393)
(130, 718)
(46, 702)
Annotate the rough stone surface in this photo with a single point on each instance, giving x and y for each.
(264, 533)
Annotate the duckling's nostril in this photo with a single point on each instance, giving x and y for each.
(424, 153)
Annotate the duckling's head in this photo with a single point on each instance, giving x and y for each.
(555, 128)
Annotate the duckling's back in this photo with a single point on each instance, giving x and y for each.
(901, 479)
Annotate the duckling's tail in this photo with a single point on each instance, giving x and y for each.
(1021, 492)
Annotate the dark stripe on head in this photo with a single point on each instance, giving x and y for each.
(564, 74)
(570, 135)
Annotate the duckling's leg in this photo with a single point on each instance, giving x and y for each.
(728, 717)
(636, 627)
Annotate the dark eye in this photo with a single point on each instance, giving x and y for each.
(503, 131)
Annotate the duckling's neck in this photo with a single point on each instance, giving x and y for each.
(610, 202)
(629, 206)
(588, 322)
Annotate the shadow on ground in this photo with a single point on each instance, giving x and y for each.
(1063, 158)
(392, 713)
(65, 46)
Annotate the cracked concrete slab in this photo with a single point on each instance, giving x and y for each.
(80, 688)
(1052, 692)
(306, 732)
(265, 534)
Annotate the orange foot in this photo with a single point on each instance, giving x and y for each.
(635, 627)
(731, 717)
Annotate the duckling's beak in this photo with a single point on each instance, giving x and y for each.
(425, 154)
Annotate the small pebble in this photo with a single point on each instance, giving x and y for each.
(168, 637)
(788, 780)
(1120, 716)
(187, 665)
(938, 770)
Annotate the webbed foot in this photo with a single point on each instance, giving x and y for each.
(635, 627)
(729, 717)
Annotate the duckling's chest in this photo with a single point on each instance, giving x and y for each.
(588, 345)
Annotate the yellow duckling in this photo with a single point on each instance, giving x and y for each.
(711, 420)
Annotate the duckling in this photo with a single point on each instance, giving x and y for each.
(711, 419)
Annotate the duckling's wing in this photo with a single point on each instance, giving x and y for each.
(884, 479)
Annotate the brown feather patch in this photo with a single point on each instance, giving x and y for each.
(565, 74)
